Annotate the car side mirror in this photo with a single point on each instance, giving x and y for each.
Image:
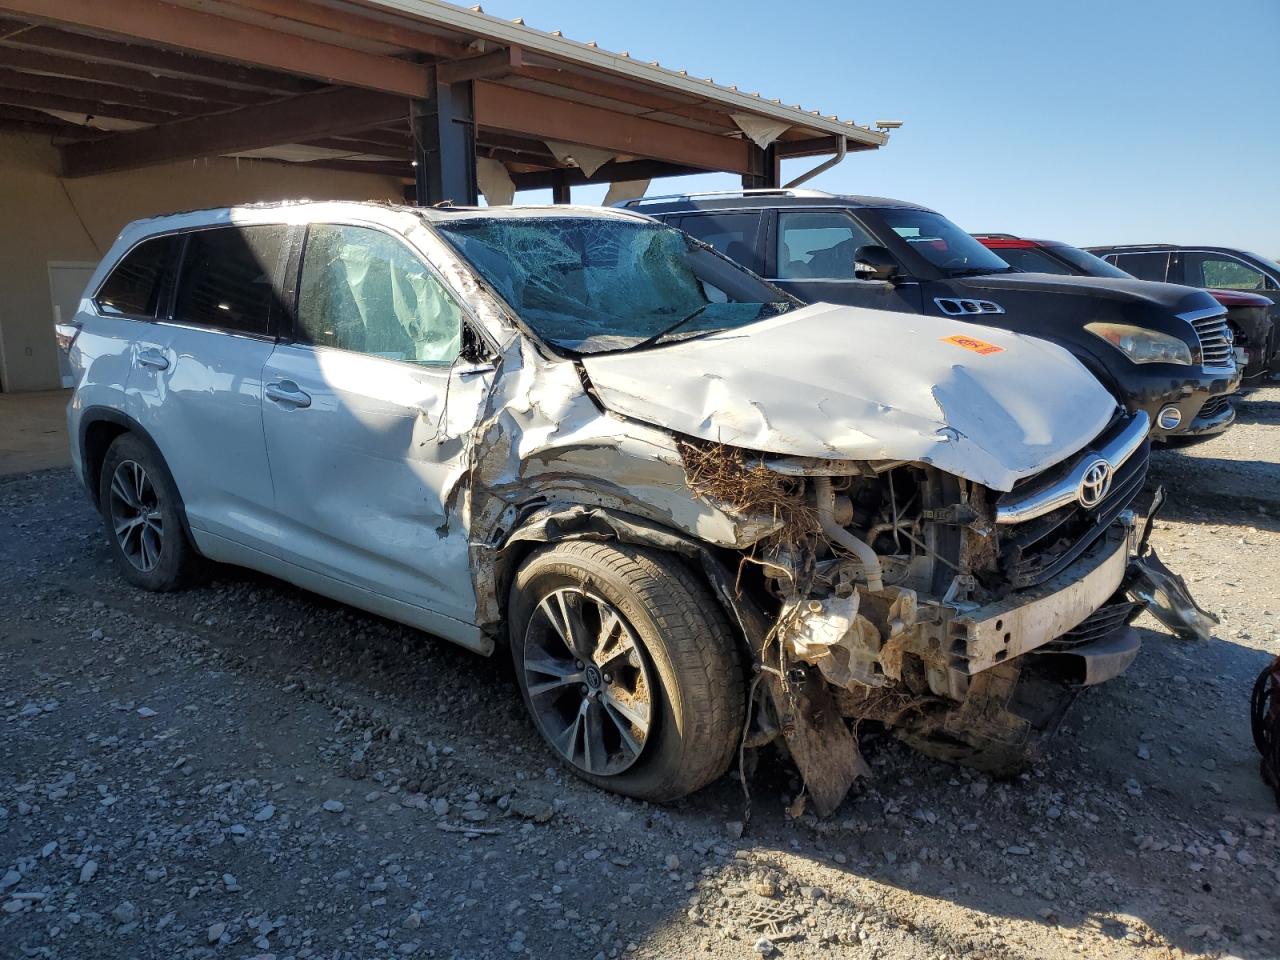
(873, 262)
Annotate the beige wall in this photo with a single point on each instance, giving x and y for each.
(44, 217)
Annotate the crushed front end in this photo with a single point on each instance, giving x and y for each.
(965, 619)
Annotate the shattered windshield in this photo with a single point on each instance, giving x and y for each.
(596, 284)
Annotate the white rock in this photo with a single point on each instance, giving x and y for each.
(334, 806)
(88, 871)
(266, 813)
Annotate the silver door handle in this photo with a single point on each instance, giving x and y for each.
(153, 358)
(287, 392)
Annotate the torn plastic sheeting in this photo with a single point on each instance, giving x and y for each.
(495, 182)
(837, 383)
(761, 132)
(831, 635)
(586, 159)
(625, 190)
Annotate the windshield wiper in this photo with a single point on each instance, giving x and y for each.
(650, 341)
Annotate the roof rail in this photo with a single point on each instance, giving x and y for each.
(1137, 246)
(714, 194)
(995, 236)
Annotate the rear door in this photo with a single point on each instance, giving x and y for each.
(120, 339)
(367, 414)
(814, 258)
(204, 402)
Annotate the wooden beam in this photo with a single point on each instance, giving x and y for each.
(356, 145)
(92, 108)
(611, 172)
(164, 63)
(534, 114)
(297, 120)
(491, 66)
(36, 121)
(133, 77)
(68, 87)
(354, 25)
(543, 70)
(162, 23)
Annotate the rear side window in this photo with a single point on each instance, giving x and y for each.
(732, 234)
(1144, 266)
(230, 278)
(134, 287)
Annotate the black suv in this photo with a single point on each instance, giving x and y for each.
(1160, 348)
(1223, 268)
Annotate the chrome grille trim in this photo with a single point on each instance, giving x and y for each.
(966, 306)
(1044, 498)
(1216, 349)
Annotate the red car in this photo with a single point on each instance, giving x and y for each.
(1256, 341)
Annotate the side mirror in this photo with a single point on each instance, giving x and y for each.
(874, 262)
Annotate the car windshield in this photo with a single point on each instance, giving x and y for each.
(1088, 264)
(941, 242)
(598, 284)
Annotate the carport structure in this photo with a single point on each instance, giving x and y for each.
(446, 98)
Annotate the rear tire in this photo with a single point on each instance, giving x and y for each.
(142, 515)
(653, 680)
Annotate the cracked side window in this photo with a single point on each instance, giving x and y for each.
(365, 291)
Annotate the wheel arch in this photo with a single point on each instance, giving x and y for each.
(100, 427)
(561, 522)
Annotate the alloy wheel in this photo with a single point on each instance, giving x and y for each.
(588, 681)
(135, 515)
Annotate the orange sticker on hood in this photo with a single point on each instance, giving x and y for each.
(974, 344)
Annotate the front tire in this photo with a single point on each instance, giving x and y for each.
(142, 515)
(628, 667)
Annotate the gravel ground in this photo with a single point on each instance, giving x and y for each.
(247, 770)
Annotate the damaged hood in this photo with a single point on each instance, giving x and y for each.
(849, 383)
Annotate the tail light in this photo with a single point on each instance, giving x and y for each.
(65, 334)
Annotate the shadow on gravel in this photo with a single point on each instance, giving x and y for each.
(1257, 411)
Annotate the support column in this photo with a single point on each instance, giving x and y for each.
(766, 169)
(444, 134)
(560, 192)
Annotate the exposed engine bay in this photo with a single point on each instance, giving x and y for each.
(908, 596)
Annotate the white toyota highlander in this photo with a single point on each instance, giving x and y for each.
(701, 516)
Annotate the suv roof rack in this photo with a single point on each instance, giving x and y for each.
(1138, 246)
(713, 194)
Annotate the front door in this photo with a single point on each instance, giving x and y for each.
(815, 257)
(367, 415)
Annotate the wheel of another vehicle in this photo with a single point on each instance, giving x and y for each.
(141, 511)
(628, 667)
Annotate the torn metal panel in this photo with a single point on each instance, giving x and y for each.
(837, 385)
(825, 751)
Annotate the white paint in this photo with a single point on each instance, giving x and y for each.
(851, 383)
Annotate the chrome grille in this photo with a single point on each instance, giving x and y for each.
(1215, 342)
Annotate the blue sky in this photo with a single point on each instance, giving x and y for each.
(1087, 121)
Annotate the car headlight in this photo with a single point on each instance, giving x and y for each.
(1142, 345)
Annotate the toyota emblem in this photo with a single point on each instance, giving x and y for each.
(1095, 483)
